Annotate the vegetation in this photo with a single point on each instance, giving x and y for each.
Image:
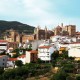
(25, 71)
(18, 63)
(67, 69)
(20, 27)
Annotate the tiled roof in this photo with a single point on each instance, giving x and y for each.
(3, 41)
(13, 42)
(33, 51)
(44, 47)
(77, 33)
(2, 56)
(12, 59)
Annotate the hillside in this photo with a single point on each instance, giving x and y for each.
(20, 27)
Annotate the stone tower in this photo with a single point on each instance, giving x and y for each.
(37, 32)
(45, 32)
(13, 36)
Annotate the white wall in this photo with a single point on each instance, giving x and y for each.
(3, 47)
(74, 52)
(3, 61)
(28, 57)
(10, 64)
(45, 53)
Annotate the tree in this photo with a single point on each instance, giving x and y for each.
(39, 60)
(3, 53)
(61, 75)
(18, 63)
(78, 78)
(54, 55)
(69, 68)
(1, 70)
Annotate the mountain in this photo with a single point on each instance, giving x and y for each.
(20, 27)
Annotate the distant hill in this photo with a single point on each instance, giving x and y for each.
(20, 27)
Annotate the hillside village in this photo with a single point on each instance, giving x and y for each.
(40, 47)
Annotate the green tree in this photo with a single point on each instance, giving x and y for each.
(55, 55)
(1, 70)
(61, 75)
(78, 78)
(18, 63)
(39, 60)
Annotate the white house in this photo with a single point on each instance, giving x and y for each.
(31, 56)
(44, 52)
(11, 62)
(74, 52)
(3, 45)
(3, 60)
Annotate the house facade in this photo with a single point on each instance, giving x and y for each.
(3, 60)
(74, 52)
(44, 52)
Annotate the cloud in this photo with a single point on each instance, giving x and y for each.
(38, 12)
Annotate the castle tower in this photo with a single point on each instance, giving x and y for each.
(45, 32)
(62, 25)
(37, 33)
(12, 33)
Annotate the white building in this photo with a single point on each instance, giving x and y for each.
(3, 45)
(3, 60)
(74, 52)
(31, 56)
(44, 52)
(11, 62)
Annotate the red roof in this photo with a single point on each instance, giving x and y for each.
(12, 59)
(13, 42)
(44, 47)
(3, 41)
(2, 56)
(22, 56)
(33, 51)
(77, 33)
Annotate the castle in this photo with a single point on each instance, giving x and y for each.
(39, 34)
(68, 30)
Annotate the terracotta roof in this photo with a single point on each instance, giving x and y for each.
(12, 59)
(77, 33)
(22, 56)
(2, 56)
(44, 47)
(13, 42)
(3, 41)
(33, 51)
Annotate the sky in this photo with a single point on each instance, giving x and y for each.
(41, 13)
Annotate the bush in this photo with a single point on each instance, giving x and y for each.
(18, 63)
(61, 75)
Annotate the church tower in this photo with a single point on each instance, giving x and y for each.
(45, 32)
(37, 32)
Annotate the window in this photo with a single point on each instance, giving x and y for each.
(3, 59)
(3, 63)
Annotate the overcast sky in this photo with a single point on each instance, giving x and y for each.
(48, 13)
